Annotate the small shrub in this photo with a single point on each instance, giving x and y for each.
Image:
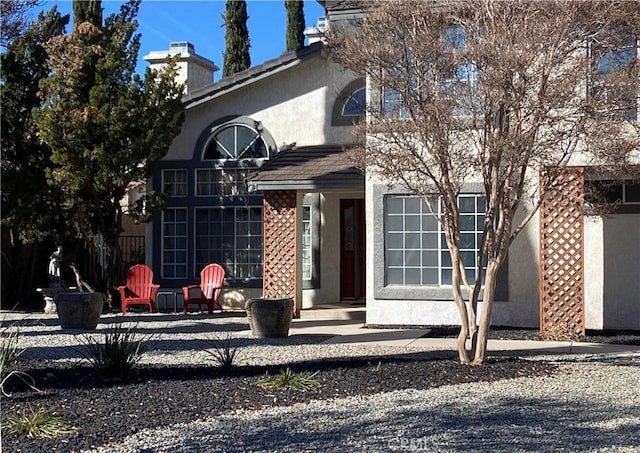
(40, 424)
(288, 379)
(9, 353)
(120, 352)
(375, 366)
(224, 353)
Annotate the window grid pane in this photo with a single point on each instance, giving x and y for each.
(174, 243)
(214, 182)
(416, 251)
(306, 243)
(232, 237)
(175, 182)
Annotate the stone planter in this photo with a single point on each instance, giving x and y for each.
(269, 318)
(79, 310)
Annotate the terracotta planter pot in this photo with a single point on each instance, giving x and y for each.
(269, 318)
(79, 310)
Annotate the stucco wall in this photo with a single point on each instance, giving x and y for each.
(293, 106)
(328, 291)
(612, 272)
(521, 309)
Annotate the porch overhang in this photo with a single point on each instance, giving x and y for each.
(312, 168)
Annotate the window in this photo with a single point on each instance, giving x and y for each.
(174, 243)
(174, 182)
(226, 182)
(307, 247)
(608, 63)
(236, 141)
(415, 247)
(232, 237)
(356, 104)
(449, 79)
(218, 220)
(615, 192)
(392, 104)
(350, 106)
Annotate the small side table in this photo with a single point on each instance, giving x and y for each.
(166, 295)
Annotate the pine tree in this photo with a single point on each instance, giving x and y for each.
(295, 24)
(105, 125)
(87, 11)
(236, 55)
(30, 207)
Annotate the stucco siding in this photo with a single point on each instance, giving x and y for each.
(293, 106)
(612, 272)
(520, 309)
(328, 291)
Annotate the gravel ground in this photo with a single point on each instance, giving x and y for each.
(370, 398)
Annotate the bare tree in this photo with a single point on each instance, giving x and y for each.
(495, 93)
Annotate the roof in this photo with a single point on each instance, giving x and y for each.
(335, 5)
(308, 167)
(254, 73)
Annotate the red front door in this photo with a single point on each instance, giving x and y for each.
(352, 249)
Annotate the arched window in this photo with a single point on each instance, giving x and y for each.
(227, 221)
(356, 104)
(236, 141)
(350, 105)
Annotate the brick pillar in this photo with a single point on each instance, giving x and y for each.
(279, 274)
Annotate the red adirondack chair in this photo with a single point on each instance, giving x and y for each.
(208, 291)
(139, 289)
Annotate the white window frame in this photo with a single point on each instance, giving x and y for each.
(307, 243)
(441, 266)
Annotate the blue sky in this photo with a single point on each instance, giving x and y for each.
(163, 21)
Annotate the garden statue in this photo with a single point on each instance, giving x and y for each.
(55, 265)
(57, 284)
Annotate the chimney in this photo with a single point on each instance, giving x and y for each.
(315, 34)
(193, 69)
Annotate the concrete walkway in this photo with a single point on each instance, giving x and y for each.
(348, 327)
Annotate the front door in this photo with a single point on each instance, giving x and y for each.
(352, 249)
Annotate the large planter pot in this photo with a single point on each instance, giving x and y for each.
(269, 318)
(79, 310)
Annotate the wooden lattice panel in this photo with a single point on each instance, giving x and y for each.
(279, 275)
(562, 258)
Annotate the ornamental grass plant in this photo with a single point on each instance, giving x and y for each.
(224, 352)
(120, 352)
(9, 353)
(40, 423)
(288, 379)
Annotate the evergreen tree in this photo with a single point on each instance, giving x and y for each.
(295, 24)
(236, 55)
(30, 210)
(87, 11)
(105, 125)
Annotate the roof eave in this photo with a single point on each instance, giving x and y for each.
(310, 185)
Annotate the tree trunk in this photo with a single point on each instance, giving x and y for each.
(480, 355)
(461, 342)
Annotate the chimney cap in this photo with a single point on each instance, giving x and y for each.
(181, 46)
